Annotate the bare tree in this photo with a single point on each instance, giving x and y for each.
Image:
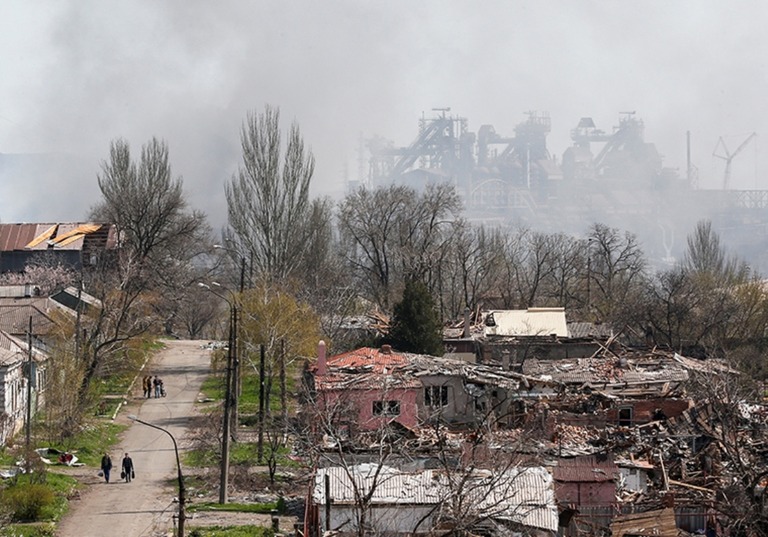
(394, 233)
(146, 203)
(270, 212)
(470, 272)
(158, 238)
(617, 269)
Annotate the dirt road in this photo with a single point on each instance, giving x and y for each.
(145, 506)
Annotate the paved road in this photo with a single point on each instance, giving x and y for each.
(144, 507)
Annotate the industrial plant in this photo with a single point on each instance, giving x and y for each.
(613, 176)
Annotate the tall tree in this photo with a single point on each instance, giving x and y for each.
(270, 212)
(707, 257)
(415, 326)
(159, 237)
(146, 204)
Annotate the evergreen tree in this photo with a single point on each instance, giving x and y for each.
(415, 326)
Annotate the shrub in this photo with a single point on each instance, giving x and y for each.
(25, 503)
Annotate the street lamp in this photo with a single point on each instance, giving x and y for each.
(182, 494)
(227, 419)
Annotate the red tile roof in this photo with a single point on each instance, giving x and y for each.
(377, 359)
(366, 368)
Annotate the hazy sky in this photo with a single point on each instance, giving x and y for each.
(76, 74)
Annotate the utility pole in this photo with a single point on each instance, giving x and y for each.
(224, 477)
(30, 380)
(261, 405)
(236, 370)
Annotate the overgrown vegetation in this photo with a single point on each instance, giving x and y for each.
(37, 497)
(239, 531)
(263, 508)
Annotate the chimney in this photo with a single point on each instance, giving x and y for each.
(466, 323)
(386, 349)
(321, 365)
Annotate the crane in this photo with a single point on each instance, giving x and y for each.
(728, 156)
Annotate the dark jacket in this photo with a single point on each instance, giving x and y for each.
(127, 464)
(106, 463)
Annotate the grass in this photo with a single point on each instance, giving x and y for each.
(213, 388)
(262, 508)
(92, 441)
(241, 453)
(38, 529)
(230, 531)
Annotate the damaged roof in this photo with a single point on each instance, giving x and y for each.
(524, 495)
(68, 236)
(641, 369)
(592, 469)
(366, 368)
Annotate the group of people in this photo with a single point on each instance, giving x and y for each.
(127, 473)
(153, 385)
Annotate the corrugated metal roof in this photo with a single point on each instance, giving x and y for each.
(42, 236)
(522, 495)
(530, 322)
(585, 470)
(579, 330)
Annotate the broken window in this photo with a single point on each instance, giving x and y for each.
(436, 396)
(625, 417)
(386, 408)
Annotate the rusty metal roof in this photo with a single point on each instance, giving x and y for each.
(42, 236)
(585, 470)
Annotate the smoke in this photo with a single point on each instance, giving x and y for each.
(78, 74)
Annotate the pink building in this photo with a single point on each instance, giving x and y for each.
(366, 388)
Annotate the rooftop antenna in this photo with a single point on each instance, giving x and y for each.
(721, 151)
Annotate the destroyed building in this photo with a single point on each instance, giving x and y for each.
(623, 431)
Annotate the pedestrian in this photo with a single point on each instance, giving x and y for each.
(156, 384)
(106, 466)
(147, 385)
(162, 388)
(128, 468)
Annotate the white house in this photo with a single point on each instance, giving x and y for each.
(411, 503)
(14, 354)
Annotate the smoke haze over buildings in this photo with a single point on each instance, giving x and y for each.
(77, 74)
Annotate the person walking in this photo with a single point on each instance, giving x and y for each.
(128, 468)
(146, 386)
(156, 384)
(106, 466)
